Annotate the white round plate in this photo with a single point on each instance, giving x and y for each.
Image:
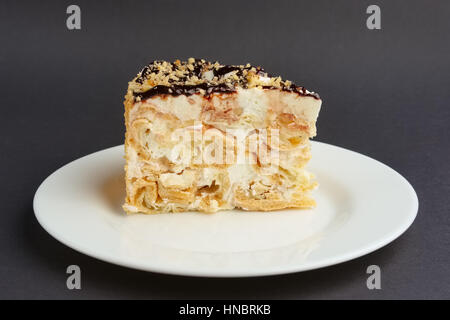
(362, 205)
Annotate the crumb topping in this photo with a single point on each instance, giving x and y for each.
(200, 76)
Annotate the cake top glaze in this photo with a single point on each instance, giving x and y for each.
(200, 76)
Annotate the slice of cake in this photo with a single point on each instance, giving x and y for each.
(205, 136)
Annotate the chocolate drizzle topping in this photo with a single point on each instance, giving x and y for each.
(199, 76)
(177, 90)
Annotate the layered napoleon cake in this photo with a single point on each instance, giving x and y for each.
(205, 136)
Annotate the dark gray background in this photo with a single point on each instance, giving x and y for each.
(386, 94)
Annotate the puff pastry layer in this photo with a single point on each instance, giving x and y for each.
(205, 136)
